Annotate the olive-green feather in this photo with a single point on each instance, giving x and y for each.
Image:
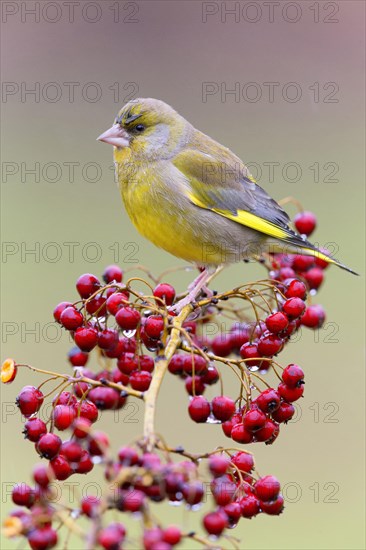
(224, 185)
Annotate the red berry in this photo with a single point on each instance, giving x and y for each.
(277, 322)
(194, 364)
(269, 345)
(215, 522)
(194, 385)
(127, 363)
(140, 380)
(97, 306)
(41, 475)
(267, 488)
(88, 410)
(128, 318)
(286, 273)
(211, 376)
(249, 351)
(64, 398)
(233, 512)
(34, 428)
(274, 507)
(193, 492)
(240, 434)
(243, 461)
(111, 537)
(254, 419)
(116, 301)
(87, 284)
(268, 433)
(239, 335)
(29, 400)
(313, 317)
(223, 490)
(90, 506)
(165, 292)
(81, 388)
(305, 222)
(77, 357)
(292, 327)
(284, 413)
(48, 445)
(152, 537)
(250, 506)
(112, 273)
(63, 416)
(86, 338)
(314, 277)
(293, 376)
(23, 495)
(259, 329)
(104, 398)
(302, 263)
(61, 467)
(71, 450)
(223, 407)
(222, 345)
(268, 401)
(199, 409)
(151, 461)
(108, 339)
(218, 465)
(290, 394)
(146, 362)
(42, 538)
(294, 307)
(227, 426)
(59, 309)
(130, 500)
(98, 444)
(296, 289)
(154, 326)
(71, 318)
(128, 456)
(119, 377)
(152, 344)
(172, 535)
(85, 464)
(81, 427)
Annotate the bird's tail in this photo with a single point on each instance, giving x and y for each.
(316, 253)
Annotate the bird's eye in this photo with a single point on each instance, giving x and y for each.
(139, 128)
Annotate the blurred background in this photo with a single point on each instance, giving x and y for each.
(282, 85)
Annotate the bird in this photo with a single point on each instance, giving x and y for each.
(192, 196)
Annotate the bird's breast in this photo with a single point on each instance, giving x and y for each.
(156, 199)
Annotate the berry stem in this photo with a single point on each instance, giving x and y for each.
(150, 396)
(94, 383)
(291, 200)
(201, 540)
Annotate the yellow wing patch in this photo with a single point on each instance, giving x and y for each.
(248, 219)
(268, 228)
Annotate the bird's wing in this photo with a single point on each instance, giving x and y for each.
(224, 185)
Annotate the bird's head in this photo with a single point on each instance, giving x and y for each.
(150, 128)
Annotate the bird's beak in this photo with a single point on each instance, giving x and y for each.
(116, 136)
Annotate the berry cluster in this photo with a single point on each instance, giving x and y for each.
(256, 344)
(141, 479)
(125, 341)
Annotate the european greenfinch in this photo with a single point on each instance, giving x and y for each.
(192, 196)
